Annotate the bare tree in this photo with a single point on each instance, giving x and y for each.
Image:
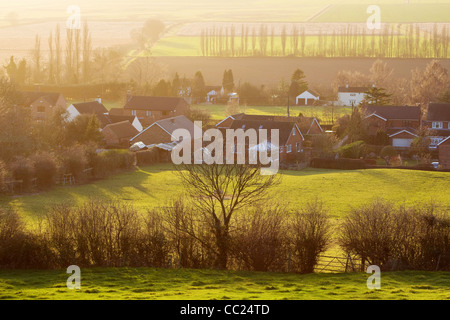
(218, 191)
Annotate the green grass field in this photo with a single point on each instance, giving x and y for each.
(219, 112)
(153, 186)
(174, 284)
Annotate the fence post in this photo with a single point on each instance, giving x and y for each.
(439, 261)
(346, 263)
(289, 262)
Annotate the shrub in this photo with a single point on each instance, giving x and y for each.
(340, 164)
(112, 161)
(74, 161)
(259, 240)
(190, 237)
(388, 151)
(147, 157)
(353, 150)
(45, 169)
(310, 236)
(98, 234)
(19, 248)
(3, 175)
(22, 169)
(398, 237)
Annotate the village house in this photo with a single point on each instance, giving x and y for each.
(307, 125)
(119, 134)
(106, 119)
(149, 109)
(307, 98)
(444, 153)
(351, 96)
(400, 123)
(290, 144)
(43, 104)
(438, 122)
(213, 93)
(87, 108)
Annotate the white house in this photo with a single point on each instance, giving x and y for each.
(351, 96)
(213, 93)
(91, 107)
(307, 98)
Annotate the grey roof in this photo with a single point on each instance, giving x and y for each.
(122, 129)
(394, 112)
(285, 128)
(438, 112)
(106, 119)
(171, 124)
(91, 107)
(30, 97)
(154, 103)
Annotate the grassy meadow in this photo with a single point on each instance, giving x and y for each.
(154, 186)
(181, 284)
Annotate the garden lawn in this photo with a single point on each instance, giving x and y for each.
(179, 284)
(154, 186)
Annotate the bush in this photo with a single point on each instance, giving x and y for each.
(310, 236)
(74, 161)
(97, 234)
(388, 151)
(45, 169)
(260, 239)
(147, 157)
(22, 169)
(340, 164)
(3, 175)
(19, 248)
(111, 161)
(398, 237)
(353, 150)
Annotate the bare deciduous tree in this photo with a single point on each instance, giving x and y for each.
(218, 191)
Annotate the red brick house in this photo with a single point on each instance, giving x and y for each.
(119, 134)
(43, 104)
(444, 153)
(149, 109)
(290, 137)
(161, 131)
(400, 123)
(307, 125)
(438, 122)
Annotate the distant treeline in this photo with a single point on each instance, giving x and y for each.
(352, 41)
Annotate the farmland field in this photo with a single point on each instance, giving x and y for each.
(153, 186)
(173, 284)
(218, 112)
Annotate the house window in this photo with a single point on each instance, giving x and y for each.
(434, 141)
(299, 147)
(281, 149)
(149, 113)
(133, 112)
(293, 132)
(438, 125)
(41, 109)
(289, 148)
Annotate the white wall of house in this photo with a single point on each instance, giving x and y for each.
(72, 113)
(137, 124)
(347, 98)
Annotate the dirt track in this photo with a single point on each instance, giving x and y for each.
(269, 71)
